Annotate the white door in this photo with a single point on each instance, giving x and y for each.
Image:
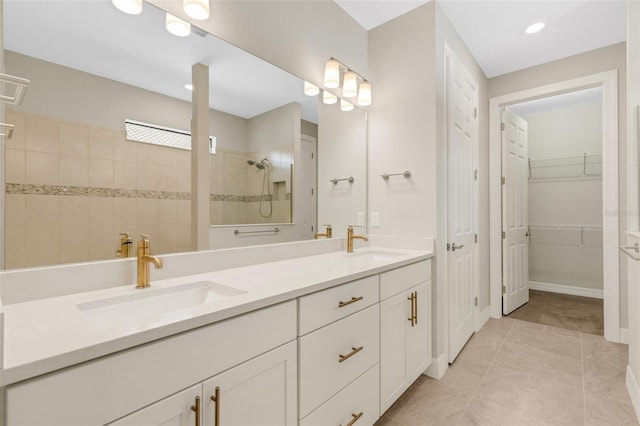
(261, 391)
(515, 221)
(308, 180)
(462, 140)
(176, 410)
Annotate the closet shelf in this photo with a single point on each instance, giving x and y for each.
(566, 227)
(577, 166)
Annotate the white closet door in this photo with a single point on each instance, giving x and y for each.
(515, 221)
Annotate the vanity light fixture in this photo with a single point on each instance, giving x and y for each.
(364, 95)
(350, 85)
(197, 9)
(534, 28)
(336, 72)
(329, 98)
(177, 26)
(332, 74)
(311, 89)
(131, 7)
(346, 105)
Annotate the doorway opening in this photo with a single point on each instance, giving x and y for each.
(563, 210)
(607, 82)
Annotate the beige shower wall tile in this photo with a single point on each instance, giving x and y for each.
(125, 216)
(74, 212)
(168, 156)
(215, 212)
(42, 211)
(42, 135)
(184, 238)
(100, 173)
(42, 245)
(15, 250)
(101, 143)
(15, 211)
(42, 168)
(101, 211)
(147, 212)
(125, 174)
(167, 213)
(18, 139)
(167, 178)
(104, 242)
(183, 158)
(167, 240)
(147, 177)
(74, 170)
(74, 140)
(123, 149)
(74, 243)
(15, 166)
(184, 212)
(147, 153)
(184, 180)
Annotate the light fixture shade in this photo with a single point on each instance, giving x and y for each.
(311, 89)
(350, 85)
(329, 98)
(197, 9)
(132, 7)
(364, 96)
(332, 74)
(346, 105)
(177, 26)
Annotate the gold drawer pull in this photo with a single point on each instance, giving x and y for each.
(356, 417)
(412, 318)
(350, 354)
(342, 304)
(196, 408)
(216, 400)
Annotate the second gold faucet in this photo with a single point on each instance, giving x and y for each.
(351, 237)
(144, 258)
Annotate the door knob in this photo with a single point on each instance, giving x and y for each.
(454, 247)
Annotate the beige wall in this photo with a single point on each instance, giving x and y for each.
(605, 59)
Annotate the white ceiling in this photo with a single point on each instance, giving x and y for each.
(494, 30)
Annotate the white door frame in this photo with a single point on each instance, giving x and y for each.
(608, 80)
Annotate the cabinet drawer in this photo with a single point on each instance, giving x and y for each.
(360, 396)
(393, 282)
(324, 307)
(325, 366)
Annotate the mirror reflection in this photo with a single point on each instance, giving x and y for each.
(75, 180)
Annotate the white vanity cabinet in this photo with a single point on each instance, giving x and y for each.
(251, 356)
(405, 329)
(338, 356)
(259, 391)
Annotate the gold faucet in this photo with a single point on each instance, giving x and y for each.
(351, 237)
(144, 258)
(327, 234)
(125, 245)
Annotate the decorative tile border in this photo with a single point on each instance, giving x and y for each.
(83, 191)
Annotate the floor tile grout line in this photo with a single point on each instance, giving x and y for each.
(584, 393)
(475, 392)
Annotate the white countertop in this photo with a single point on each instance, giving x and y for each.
(45, 335)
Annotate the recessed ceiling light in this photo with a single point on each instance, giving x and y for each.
(188, 86)
(534, 28)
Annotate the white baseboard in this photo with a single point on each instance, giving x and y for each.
(567, 289)
(624, 336)
(483, 317)
(634, 391)
(438, 367)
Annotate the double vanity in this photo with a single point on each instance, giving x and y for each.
(331, 338)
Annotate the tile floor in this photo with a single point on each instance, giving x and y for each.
(577, 313)
(516, 373)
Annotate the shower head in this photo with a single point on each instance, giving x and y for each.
(251, 162)
(260, 165)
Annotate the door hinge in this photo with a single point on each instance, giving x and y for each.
(502, 126)
(312, 155)
(311, 191)
(504, 235)
(311, 228)
(475, 113)
(475, 237)
(475, 174)
(476, 301)
(503, 180)
(448, 246)
(504, 290)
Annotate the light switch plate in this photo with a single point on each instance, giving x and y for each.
(375, 218)
(360, 220)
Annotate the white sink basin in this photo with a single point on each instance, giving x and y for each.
(148, 307)
(376, 255)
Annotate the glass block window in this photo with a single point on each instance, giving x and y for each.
(138, 131)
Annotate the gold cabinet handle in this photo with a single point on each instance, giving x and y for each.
(350, 354)
(356, 417)
(342, 304)
(413, 310)
(216, 400)
(196, 408)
